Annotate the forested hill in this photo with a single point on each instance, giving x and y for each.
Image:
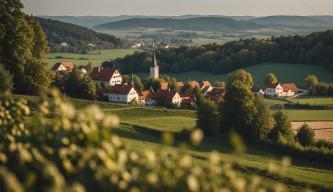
(314, 49)
(75, 36)
(195, 24)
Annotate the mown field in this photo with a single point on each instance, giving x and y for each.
(141, 128)
(285, 73)
(96, 57)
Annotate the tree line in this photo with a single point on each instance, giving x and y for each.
(76, 37)
(313, 49)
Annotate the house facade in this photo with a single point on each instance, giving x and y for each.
(274, 90)
(63, 66)
(105, 77)
(167, 96)
(122, 93)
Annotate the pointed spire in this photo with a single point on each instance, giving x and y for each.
(154, 60)
(132, 81)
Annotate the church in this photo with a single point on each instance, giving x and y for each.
(154, 68)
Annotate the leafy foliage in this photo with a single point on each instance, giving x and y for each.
(281, 131)
(6, 80)
(76, 151)
(305, 135)
(207, 113)
(22, 49)
(271, 79)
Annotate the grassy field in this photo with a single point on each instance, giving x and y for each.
(313, 100)
(285, 73)
(96, 57)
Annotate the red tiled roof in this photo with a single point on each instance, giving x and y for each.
(204, 83)
(164, 95)
(216, 94)
(102, 74)
(205, 89)
(187, 100)
(289, 86)
(68, 65)
(180, 84)
(144, 95)
(122, 89)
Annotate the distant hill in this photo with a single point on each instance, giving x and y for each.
(195, 24)
(75, 36)
(293, 21)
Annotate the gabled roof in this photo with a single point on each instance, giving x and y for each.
(205, 89)
(164, 95)
(272, 85)
(144, 95)
(102, 74)
(122, 89)
(216, 94)
(68, 65)
(289, 86)
(204, 84)
(257, 88)
(180, 84)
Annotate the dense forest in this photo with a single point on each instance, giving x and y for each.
(78, 39)
(314, 49)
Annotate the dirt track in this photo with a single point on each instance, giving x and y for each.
(323, 129)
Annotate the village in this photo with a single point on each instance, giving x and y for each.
(113, 88)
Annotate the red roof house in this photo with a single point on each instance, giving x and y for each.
(63, 66)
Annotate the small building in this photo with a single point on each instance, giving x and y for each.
(289, 89)
(164, 97)
(105, 77)
(274, 90)
(204, 84)
(154, 68)
(281, 90)
(123, 93)
(63, 66)
(205, 90)
(216, 94)
(145, 98)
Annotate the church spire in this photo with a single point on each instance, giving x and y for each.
(154, 63)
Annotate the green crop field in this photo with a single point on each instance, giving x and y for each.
(96, 57)
(285, 73)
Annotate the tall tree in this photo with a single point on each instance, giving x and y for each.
(238, 110)
(282, 128)
(270, 79)
(22, 49)
(207, 117)
(263, 122)
(311, 82)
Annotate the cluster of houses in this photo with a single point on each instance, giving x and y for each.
(112, 88)
(276, 90)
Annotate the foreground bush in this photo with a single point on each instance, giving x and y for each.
(305, 135)
(60, 149)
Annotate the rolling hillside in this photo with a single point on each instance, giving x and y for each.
(292, 21)
(195, 24)
(76, 36)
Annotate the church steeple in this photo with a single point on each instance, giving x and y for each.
(154, 68)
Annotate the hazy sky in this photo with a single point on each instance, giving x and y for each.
(179, 7)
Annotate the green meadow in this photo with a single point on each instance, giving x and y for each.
(96, 57)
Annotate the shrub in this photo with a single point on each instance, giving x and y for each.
(282, 128)
(305, 135)
(6, 80)
(76, 151)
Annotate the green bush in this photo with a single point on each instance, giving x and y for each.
(6, 80)
(60, 149)
(305, 135)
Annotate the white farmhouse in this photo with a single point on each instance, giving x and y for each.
(63, 66)
(274, 90)
(106, 76)
(123, 93)
(280, 90)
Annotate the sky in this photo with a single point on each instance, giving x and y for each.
(178, 7)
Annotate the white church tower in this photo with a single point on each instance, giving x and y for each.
(154, 68)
